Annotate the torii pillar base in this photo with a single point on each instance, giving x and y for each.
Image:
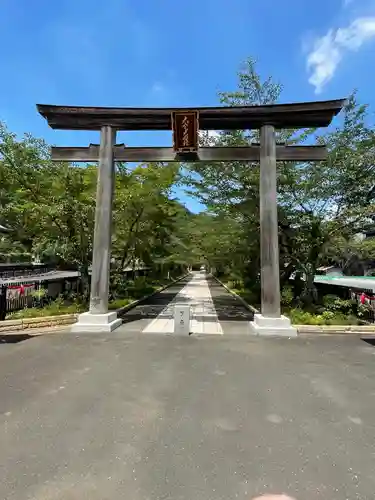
(96, 323)
(272, 327)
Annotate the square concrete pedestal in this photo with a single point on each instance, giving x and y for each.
(96, 323)
(278, 327)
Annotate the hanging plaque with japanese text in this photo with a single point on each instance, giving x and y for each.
(185, 125)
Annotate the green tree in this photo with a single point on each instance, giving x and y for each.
(317, 202)
(320, 202)
(51, 208)
(230, 190)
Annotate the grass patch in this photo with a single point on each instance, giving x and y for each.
(53, 309)
(247, 295)
(118, 303)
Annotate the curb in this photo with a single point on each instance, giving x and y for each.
(248, 306)
(8, 327)
(336, 329)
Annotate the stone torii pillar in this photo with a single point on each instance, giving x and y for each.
(99, 319)
(268, 224)
(270, 321)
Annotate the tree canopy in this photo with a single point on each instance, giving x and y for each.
(318, 203)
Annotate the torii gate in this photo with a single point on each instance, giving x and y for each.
(185, 124)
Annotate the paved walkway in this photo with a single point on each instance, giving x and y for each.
(214, 311)
(196, 293)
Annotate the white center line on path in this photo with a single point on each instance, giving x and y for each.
(203, 319)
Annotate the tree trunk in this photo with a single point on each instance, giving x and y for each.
(309, 295)
(84, 287)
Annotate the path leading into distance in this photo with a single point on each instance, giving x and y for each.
(214, 311)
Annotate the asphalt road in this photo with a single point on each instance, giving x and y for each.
(155, 417)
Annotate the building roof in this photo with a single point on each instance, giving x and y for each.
(50, 276)
(294, 115)
(357, 282)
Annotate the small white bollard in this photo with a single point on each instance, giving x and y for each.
(181, 319)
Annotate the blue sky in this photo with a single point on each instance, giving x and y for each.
(173, 53)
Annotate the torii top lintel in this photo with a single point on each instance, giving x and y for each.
(294, 115)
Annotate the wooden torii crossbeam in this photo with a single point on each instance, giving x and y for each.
(296, 115)
(121, 153)
(186, 124)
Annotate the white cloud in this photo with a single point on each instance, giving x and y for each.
(357, 33)
(323, 61)
(328, 50)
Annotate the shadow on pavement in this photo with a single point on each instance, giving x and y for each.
(151, 307)
(15, 338)
(228, 307)
(370, 341)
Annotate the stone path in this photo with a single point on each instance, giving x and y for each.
(197, 295)
(214, 310)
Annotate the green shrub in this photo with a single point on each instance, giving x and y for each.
(118, 285)
(336, 304)
(363, 310)
(56, 308)
(250, 296)
(118, 303)
(328, 315)
(39, 294)
(329, 300)
(123, 288)
(247, 295)
(299, 317)
(287, 296)
(342, 319)
(235, 281)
